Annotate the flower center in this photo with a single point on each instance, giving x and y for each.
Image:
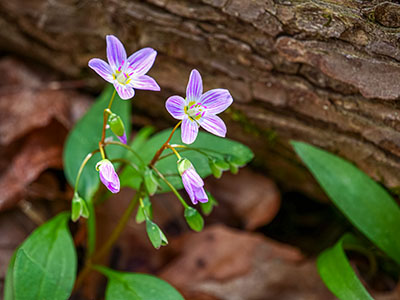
(195, 110)
(121, 75)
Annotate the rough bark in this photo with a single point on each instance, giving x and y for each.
(325, 71)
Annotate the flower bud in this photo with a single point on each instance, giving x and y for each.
(108, 176)
(192, 181)
(144, 212)
(156, 236)
(150, 181)
(194, 219)
(117, 127)
(183, 165)
(116, 124)
(208, 206)
(79, 208)
(215, 170)
(235, 163)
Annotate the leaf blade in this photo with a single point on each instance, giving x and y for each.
(364, 202)
(45, 264)
(337, 273)
(122, 286)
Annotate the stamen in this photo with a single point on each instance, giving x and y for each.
(126, 76)
(131, 74)
(122, 63)
(203, 113)
(192, 106)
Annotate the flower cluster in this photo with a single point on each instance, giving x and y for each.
(197, 110)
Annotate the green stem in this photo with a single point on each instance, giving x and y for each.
(111, 100)
(175, 152)
(126, 147)
(126, 162)
(91, 227)
(85, 161)
(160, 151)
(173, 189)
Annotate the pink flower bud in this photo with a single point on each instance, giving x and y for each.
(108, 176)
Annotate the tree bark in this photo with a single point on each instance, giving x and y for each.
(321, 71)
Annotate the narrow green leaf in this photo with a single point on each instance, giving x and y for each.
(85, 137)
(220, 148)
(45, 264)
(364, 202)
(337, 273)
(135, 286)
(194, 219)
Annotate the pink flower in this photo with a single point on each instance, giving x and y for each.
(199, 109)
(108, 176)
(126, 73)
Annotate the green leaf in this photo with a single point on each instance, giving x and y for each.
(44, 266)
(135, 286)
(217, 147)
(194, 219)
(207, 207)
(337, 273)
(85, 137)
(364, 202)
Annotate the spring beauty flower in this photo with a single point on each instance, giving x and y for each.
(108, 176)
(125, 73)
(192, 181)
(199, 109)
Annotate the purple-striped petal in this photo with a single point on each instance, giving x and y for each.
(213, 124)
(141, 61)
(200, 195)
(123, 139)
(189, 131)
(108, 176)
(175, 106)
(116, 54)
(124, 91)
(194, 88)
(144, 82)
(216, 100)
(194, 177)
(188, 186)
(102, 68)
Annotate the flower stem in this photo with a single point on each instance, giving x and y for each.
(106, 112)
(174, 150)
(173, 189)
(85, 161)
(126, 147)
(165, 145)
(112, 99)
(111, 240)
